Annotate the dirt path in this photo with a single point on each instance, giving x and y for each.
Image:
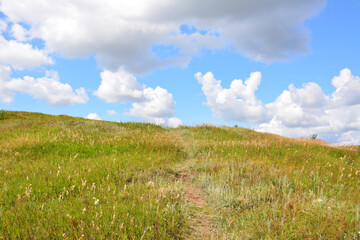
(202, 224)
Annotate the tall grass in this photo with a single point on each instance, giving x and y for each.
(71, 178)
(64, 177)
(268, 187)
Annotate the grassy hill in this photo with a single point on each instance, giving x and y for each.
(66, 177)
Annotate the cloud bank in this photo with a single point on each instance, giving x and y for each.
(131, 38)
(138, 36)
(297, 112)
(124, 33)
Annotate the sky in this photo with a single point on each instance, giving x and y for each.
(286, 67)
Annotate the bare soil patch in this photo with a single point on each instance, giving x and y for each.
(202, 224)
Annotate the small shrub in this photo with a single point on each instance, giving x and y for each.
(313, 136)
(2, 115)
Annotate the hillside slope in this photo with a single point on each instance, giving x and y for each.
(65, 177)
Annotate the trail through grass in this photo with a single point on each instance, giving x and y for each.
(65, 177)
(268, 187)
(201, 219)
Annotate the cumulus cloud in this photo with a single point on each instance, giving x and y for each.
(238, 103)
(157, 102)
(148, 103)
(347, 89)
(93, 116)
(6, 95)
(119, 86)
(48, 88)
(297, 112)
(19, 55)
(174, 122)
(300, 107)
(304, 111)
(123, 33)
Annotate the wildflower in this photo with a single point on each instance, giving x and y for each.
(28, 191)
(83, 183)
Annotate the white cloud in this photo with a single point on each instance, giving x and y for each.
(350, 138)
(93, 116)
(174, 122)
(6, 95)
(111, 112)
(297, 112)
(238, 103)
(300, 107)
(147, 103)
(347, 89)
(48, 88)
(154, 120)
(19, 55)
(304, 111)
(119, 86)
(20, 33)
(158, 103)
(122, 33)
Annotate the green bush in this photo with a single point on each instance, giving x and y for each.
(313, 136)
(2, 115)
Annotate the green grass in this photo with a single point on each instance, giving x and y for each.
(65, 177)
(268, 187)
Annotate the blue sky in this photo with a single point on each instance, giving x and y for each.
(139, 62)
